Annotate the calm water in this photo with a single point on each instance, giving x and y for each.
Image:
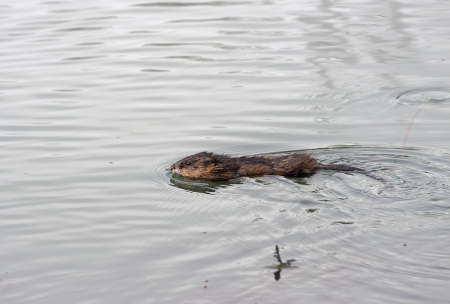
(99, 98)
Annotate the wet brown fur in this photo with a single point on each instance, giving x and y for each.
(210, 166)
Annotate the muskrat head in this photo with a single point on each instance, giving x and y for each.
(205, 165)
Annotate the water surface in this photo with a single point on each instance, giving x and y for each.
(98, 99)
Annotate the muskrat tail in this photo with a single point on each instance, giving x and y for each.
(338, 168)
(348, 168)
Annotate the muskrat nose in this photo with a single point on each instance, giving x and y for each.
(174, 169)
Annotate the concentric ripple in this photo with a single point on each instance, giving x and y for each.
(323, 211)
(405, 96)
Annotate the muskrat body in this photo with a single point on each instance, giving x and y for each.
(216, 167)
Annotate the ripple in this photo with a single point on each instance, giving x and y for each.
(192, 4)
(416, 97)
(154, 71)
(82, 58)
(80, 29)
(229, 19)
(230, 195)
(407, 96)
(258, 33)
(213, 45)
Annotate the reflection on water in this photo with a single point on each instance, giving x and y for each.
(281, 265)
(99, 98)
(202, 186)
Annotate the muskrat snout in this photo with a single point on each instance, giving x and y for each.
(174, 168)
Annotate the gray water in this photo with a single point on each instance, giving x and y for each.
(99, 98)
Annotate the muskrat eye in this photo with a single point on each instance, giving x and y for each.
(188, 163)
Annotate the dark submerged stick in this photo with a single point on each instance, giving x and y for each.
(277, 255)
(281, 264)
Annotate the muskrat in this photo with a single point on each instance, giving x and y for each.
(216, 167)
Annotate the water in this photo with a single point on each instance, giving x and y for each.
(98, 99)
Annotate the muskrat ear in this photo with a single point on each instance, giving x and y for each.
(215, 160)
(207, 160)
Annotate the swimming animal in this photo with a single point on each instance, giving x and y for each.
(216, 167)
